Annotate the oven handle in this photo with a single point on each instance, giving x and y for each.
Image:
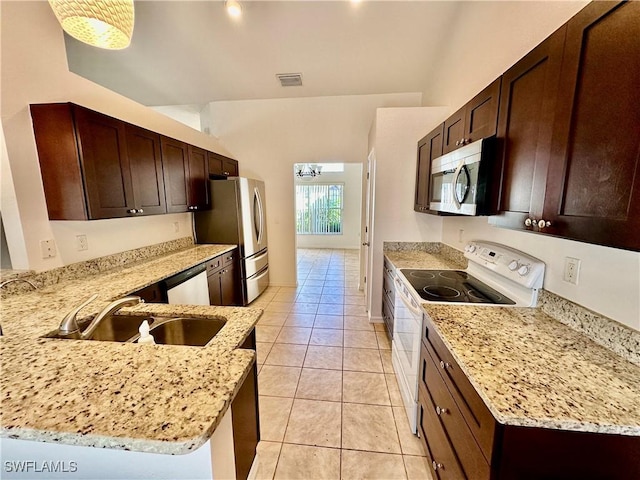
(409, 302)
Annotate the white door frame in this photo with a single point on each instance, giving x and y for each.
(367, 228)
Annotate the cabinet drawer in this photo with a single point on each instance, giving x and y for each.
(475, 412)
(214, 264)
(387, 315)
(389, 290)
(470, 456)
(443, 459)
(229, 257)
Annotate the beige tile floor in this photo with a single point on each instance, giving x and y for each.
(329, 402)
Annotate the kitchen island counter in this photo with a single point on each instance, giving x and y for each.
(148, 398)
(530, 369)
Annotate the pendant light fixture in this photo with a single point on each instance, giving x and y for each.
(101, 23)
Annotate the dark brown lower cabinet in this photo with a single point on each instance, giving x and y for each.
(246, 418)
(223, 276)
(464, 441)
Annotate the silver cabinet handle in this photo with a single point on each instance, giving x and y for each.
(436, 466)
(132, 210)
(441, 411)
(365, 244)
(226, 173)
(544, 223)
(529, 221)
(444, 364)
(140, 210)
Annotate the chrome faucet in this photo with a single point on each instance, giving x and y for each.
(69, 325)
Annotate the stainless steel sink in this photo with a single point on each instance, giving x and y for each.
(165, 330)
(114, 328)
(186, 331)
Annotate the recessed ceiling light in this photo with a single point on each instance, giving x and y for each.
(234, 9)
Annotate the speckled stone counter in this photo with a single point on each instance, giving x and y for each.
(532, 370)
(150, 398)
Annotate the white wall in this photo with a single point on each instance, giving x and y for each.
(269, 136)
(34, 70)
(187, 114)
(488, 39)
(352, 201)
(485, 40)
(394, 137)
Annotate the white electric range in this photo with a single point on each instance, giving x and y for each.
(497, 276)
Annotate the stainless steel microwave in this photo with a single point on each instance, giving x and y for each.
(464, 181)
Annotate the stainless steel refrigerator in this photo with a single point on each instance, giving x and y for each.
(237, 216)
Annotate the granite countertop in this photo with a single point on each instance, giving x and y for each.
(150, 398)
(530, 369)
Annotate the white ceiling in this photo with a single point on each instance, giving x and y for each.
(191, 52)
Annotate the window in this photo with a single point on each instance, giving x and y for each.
(319, 209)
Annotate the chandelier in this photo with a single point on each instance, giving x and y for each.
(308, 170)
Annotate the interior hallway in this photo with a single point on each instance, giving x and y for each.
(329, 403)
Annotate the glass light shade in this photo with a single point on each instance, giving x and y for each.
(102, 23)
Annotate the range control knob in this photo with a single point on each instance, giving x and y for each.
(513, 265)
(470, 248)
(523, 270)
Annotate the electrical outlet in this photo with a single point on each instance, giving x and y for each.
(571, 270)
(48, 248)
(176, 227)
(81, 243)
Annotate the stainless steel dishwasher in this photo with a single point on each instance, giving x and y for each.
(189, 287)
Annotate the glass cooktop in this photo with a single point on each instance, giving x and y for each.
(453, 286)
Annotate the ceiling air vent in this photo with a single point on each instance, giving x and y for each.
(290, 79)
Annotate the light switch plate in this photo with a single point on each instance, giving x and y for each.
(48, 248)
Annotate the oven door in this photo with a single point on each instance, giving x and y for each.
(405, 348)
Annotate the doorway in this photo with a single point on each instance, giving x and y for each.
(328, 209)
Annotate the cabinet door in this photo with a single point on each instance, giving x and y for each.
(593, 185)
(525, 125)
(221, 166)
(228, 286)
(429, 147)
(230, 167)
(198, 176)
(55, 135)
(105, 163)
(215, 164)
(145, 160)
(215, 291)
(481, 114)
(453, 131)
(176, 172)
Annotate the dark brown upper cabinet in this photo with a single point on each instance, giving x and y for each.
(429, 147)
(477, 119)
(593, 183)
(525, 124)
(145, 162)
(569, 131)
(197, 179)
(175, 160)
(86, 164)
(221, 166)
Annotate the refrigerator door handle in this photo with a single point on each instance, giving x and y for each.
(257, 205)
